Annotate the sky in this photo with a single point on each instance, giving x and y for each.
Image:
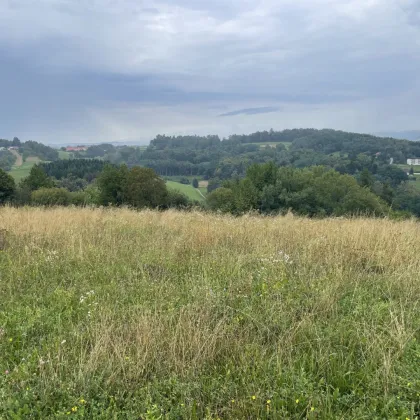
(87, 71)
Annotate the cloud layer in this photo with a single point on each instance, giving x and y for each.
(107, 70)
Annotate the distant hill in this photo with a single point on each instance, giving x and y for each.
(413, 135)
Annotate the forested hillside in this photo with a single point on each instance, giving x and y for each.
(31, 148)
(311, 172)
(211, 157)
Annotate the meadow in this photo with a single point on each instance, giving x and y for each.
(194, 194)
(117, 314)
(272, 144)
(22, 171)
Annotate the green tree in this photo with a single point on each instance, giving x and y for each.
(37, 179)
(366, 179)
(16, 142)
(222, 199)
(195, 183)
(111, 184)
(142, 187)
(176, 199)
(7, 187)
(411, 170)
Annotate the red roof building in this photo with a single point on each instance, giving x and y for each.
(76, 149)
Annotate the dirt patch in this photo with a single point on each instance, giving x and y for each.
(19, 160)
(203, 184)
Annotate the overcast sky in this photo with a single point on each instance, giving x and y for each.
(112, 70)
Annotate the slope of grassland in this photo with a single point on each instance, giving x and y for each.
(19, 159)
(64, 155)
(125, 315)
(191, 192)
(21, 171)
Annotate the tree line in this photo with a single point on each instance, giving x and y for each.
(216, 159)
(137, 187)
(31, 148)
(316, 191)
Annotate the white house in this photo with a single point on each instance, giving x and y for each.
(413, 161)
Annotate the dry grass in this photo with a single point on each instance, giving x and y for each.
(194, 315)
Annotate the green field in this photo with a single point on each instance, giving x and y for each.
(272, 144)
(120, 314)
(20, 172)
(178, 177)
(406, 168)
(416, 183)
(203, 190)
(64, 155)
(188, 190)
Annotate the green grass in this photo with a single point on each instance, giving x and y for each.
(188, 190)
(272, 144)
(178, 177)
(416, 183)
(64, 155)
(406, 168)
(20, 172)
(203, 190)
(118, 314)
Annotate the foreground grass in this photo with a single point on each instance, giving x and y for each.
(124, 315)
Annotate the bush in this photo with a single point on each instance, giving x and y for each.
(7, 186)
(51, 197)
(176, 199)
(221, 199)
(79, 198)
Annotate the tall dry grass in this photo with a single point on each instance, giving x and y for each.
(124, 314)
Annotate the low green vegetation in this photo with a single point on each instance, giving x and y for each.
(317, 192)
(188, 190)
(407, 168)
(30, 148)
(62, 154)
(7, 159)
(21, 172)
(272, 144)
(116, 314)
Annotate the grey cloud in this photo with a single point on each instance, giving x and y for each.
(350, 62)
(251, 111)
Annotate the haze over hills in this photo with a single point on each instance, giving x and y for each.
(413, 135)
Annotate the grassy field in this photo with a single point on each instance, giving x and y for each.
(178, 177)
(64, 155)
(117, 314)
(416, 183)
(406, 168)
(273, 144)
(188, 190)
(20, 172)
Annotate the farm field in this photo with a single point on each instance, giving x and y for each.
(120, 314)
(188, 190)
